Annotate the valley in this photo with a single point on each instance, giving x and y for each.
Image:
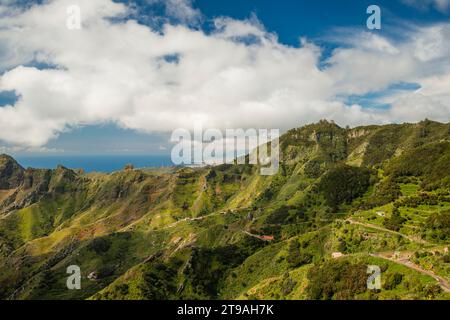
(343, 199)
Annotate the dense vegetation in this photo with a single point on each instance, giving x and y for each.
(339, 280)
(342, 200)
(344, 183)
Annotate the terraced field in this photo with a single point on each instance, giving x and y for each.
(343, 200)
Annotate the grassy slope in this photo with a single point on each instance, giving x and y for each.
(189, 232)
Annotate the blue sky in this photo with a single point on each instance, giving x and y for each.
(293, 18)
(328, 24)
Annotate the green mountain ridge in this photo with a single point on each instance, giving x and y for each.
(343, 199)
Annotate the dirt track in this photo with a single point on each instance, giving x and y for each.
(444, 284)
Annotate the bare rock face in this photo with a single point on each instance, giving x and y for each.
(11, 173)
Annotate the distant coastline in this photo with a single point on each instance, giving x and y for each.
(94, 163)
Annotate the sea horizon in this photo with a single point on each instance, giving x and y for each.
(93, 163)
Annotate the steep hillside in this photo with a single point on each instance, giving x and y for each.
(343, 199)
(11, 173)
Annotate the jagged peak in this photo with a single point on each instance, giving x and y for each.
(11, 172)
(6, 157)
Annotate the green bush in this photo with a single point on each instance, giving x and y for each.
(395, 222)
(437, 226)
(298, 256)
(385, 192)
(336, 279)
(393, 280)
(432, 290)
(100, 245)
(313, 169)
(343, 183)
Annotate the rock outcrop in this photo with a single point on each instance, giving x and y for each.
(11, 173)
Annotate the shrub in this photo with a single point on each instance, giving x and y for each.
(100, 245)
(288, 285)
(395, 222)
(438, 226)
(385, 192)
(313, 169)
(344, 183)
(432, 290)
(336, 279)
(393, 280)
(296, 256)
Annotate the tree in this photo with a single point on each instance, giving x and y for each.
(395, 222)
(336, 279)
(393, 280)
(344, 183)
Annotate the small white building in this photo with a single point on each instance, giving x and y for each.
(336, 255)
(93, 276)
(380, 213)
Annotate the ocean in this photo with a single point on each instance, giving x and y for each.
(94, 163)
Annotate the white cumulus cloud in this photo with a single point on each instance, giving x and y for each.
(239, 75)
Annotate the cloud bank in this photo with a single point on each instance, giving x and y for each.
(238, 75)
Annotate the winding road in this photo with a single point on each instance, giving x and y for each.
(377, 227)
(443, 283)
(403, 257)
